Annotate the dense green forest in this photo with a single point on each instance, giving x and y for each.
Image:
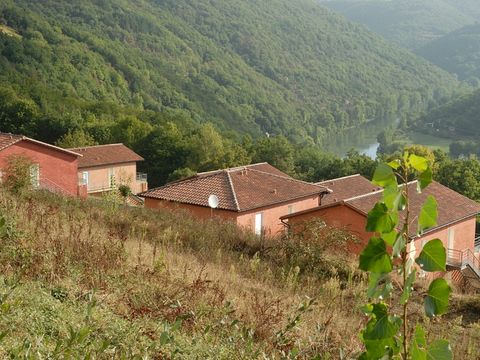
(457, 118)
(410, 23)
(457, 52)
(278, 67)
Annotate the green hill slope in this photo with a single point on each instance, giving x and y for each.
(459, 118)
(469, 7)
(410, 23)
(280, 66)
(457, 52)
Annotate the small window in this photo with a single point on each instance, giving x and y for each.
(85, 178)
(259, 224)
(35, 175)
(290, 209)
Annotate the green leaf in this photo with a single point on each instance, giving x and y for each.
(419, 344)
(439, 350)
(381, 325)
(380, 349)
(384, 176)
(436, 301)
(380, 219)
(407, 290)
(379, 286)
(433, 256)
(424, 179)
(390, 237)
(398, 246)
(374, 257)
(428, 215)
(418, 163)
(395, 164)
(394, 198)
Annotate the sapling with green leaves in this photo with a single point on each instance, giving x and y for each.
(391, 252)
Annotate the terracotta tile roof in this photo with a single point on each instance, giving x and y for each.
(105, 155)
(264, 166)
(134, 200)
(7, 140)
(346, 188)
(238, 189)
(452, 206)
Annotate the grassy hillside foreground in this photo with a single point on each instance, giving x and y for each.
(91, 278)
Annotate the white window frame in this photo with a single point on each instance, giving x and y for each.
(85, 177)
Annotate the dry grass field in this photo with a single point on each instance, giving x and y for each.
(94, 279)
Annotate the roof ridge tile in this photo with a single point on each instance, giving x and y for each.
(232, 188)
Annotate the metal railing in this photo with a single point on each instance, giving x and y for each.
(142, 177)
(477, 244)
(463, 258)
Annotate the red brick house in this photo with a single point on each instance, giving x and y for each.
(103, 166)
(253, 196)
(53, 168)
(455, 224)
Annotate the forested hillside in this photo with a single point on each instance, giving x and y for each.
(458, 118)
(410, 23)
(277, 66)
(457, 52)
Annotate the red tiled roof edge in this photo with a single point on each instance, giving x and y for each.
(89, 162)
(17, 138)
(289, 178)
(434, 228)
(336, 179)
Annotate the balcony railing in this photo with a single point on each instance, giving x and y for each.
(142, 177)
(463, 258)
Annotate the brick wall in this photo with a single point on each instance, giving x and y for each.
(339, 216)
(99, 177)
(57, 169)
(271, 214)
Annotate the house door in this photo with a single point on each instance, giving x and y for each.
(258, 224)
(35, 175)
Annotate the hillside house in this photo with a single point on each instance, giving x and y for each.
(253, 196)
(102, 167)
(52, 168)
(455, 224)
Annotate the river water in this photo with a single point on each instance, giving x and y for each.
(364, 139)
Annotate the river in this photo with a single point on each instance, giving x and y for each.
(364, 139)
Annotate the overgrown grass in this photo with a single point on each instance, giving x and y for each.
(100, 279)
